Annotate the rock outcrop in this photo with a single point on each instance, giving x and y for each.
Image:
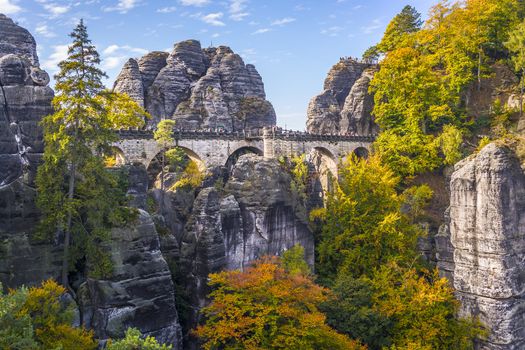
(345, 106)
(487, 227)
(254, 215)
(25, 99)
(199, 88)
(140, 292)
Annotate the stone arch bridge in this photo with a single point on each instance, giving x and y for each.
(211, 149)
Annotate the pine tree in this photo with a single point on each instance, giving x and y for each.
(164, 137)
(516, 45)
(406, 22)
(76, 194)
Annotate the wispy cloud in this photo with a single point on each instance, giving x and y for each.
(56, 10)
(213, 19)
(59, 54)
(123, 6)
(44, 30)
(332, 31)
(372, 27)
(198, 3)
(9, 7)
(261, 31)
(237, 10)
(168, 9)
(283, 21)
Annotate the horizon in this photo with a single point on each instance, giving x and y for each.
(293, 44)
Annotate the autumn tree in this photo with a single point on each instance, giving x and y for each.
(78, 197)
(266, 307)
(37, 318)
(134, 340)
(516, 45)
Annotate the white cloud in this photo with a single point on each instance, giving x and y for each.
(114, 55)
(194, 2)
(56, 10)
(43, 30)
(9, 7)
(261, 31)
(237, 10)
(59, 54)
(168, 9)
(214, 19)
(372, 27)
(332, 31)
(283, 21)
(123, 6)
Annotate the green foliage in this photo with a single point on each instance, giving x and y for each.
(371, 55)
(450, 144)
(406, 22)
(177, 159)
(134, 341)
(35, 318)
(419, 88)
(265, 307)
(363, 225)
(191, 177)
(293, 261)
(16, 328)
(368, 255)
(164, 133)
(423, 308)
(352, 312)
(76, 194)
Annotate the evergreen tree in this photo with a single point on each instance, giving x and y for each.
(76, 194)
(406, 22)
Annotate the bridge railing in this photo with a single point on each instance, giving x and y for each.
(256, 134)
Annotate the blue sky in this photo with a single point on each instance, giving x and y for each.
(293, 43)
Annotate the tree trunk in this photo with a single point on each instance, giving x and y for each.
(479, 69)
(521, 91)
(67, 233)
(163, 162)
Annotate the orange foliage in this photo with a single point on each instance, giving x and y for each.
(264, 307)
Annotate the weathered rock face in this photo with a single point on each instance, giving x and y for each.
(200, 88)
(255, 215)
(25, 99)
(487, 226)
(345, 106)
(140, 292)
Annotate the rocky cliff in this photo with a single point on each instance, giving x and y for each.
(25, 99)
(487, 236)
(345, 106)
(254, 214)
(199, 88)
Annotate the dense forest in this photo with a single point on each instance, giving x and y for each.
(370, 287)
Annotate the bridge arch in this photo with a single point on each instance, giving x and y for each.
(115, 157)
(324, 164)
(235, 155)
(361, 152)
(154, 165)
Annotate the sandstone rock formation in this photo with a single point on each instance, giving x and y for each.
(254, 215)
(345, 106)
(199, 88)
(140, 292)
(487, 227)
(25, 99)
